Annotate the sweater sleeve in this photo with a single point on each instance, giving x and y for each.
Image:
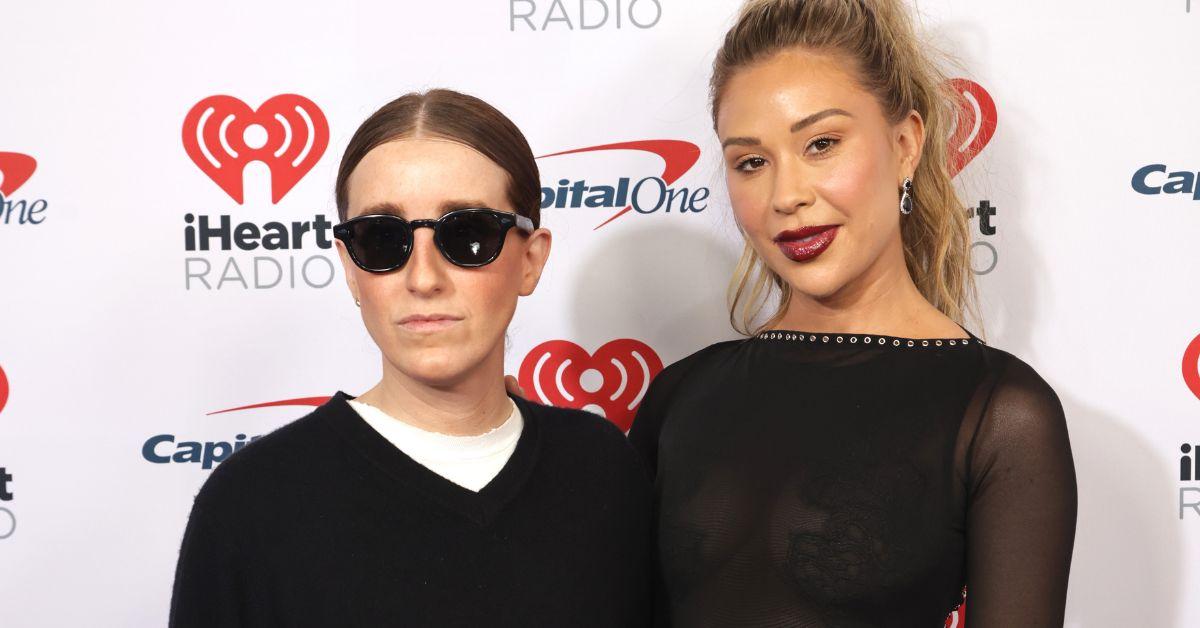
(208, 589)
(1022, 505)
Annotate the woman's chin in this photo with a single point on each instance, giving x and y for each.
(444, 369)
(813, 283)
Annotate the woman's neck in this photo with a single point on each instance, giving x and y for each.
(883, 300)
(474, 404)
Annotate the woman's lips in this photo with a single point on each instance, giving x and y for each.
(428, 322)
(800, 245)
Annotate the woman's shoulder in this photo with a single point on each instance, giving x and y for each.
(711, 356)
(569, 423)
(1011, 373)
(582, 441)
(281, 455)
(1018, 400)
(1021, 437)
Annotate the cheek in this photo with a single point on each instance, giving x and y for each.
(489, 293)
(853, 188)
(377, 288)
(750, 200)
(378, 294)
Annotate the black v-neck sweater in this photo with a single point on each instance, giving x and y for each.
(323, 522)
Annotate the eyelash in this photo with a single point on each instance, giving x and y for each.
(740, 165)
(831, 142)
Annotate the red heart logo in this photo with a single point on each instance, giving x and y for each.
(974, 126)
(1191, 366)
(3, 389)
(958, 618)
(611, 382)
(16, 169)
(296, 135)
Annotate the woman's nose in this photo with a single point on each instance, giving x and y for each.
(426, 268)
(792, 190)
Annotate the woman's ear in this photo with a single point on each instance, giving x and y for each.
(537, 251)
(910, 141)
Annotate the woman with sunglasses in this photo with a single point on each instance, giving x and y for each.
(432, 499)
(861, 459)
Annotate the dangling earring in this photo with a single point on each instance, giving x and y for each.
(906, 202)
(357, 303)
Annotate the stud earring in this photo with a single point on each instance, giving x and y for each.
(357, 303)
(906, 201)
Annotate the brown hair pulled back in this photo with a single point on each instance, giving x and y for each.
(454, 116)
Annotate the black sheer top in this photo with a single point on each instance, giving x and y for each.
(817, 480)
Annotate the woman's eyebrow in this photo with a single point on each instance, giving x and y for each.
(798, 126)
(383, 208)
(449, 206)
(817, 117)
(394, 209)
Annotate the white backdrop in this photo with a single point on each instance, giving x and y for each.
(103, 345)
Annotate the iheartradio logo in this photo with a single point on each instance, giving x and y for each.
(974, 125)
(958, 619)
(3, 389)
(288, 133)
(611, 382)
(1191, 366)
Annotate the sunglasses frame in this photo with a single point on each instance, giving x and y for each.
(344, 231)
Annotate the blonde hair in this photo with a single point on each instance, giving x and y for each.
(896, 68)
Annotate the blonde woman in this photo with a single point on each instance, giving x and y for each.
(861, 459)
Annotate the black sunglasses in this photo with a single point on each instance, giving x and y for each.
(470, 238)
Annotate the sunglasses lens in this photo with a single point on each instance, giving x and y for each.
(471, 238)
(381, 243)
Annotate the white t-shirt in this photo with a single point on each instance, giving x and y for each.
(468, 461)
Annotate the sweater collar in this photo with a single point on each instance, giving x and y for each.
(481, 507)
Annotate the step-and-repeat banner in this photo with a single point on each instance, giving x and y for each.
(160, 311)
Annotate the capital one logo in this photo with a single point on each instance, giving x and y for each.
(174, 449)
(610, 382)
(288, 133)
(645, 195)
(1191, 366)
(15, 170)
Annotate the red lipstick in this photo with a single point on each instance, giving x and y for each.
(805, 243)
